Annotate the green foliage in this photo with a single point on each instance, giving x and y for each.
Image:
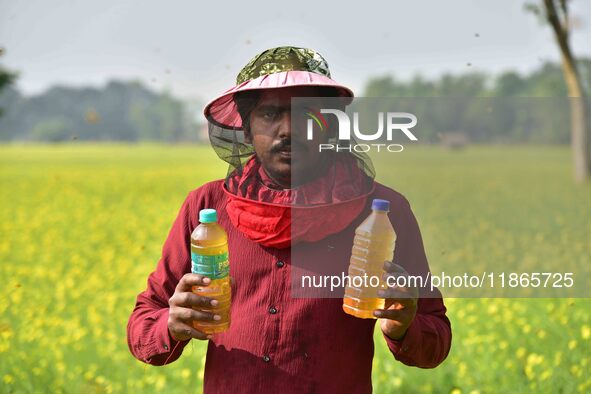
(124, 111)
(128, 111)
(160, 120)
(546, 81)
(52, 130)
(509, 107)
(7, 78)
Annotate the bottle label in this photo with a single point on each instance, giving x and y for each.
(214, 267)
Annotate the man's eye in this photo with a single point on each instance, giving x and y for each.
(270, 114)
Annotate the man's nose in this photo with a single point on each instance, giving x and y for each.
(285, 125)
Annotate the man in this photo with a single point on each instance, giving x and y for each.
(278, 342)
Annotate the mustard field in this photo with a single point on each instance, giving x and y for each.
(82, 226)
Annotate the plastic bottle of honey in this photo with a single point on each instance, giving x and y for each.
(209, 256)
(372, 246)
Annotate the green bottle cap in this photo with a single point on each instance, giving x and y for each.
(208, 216)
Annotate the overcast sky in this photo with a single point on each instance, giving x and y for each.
(195, 49)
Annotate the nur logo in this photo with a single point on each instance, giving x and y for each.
(320, 121)
(394, 121)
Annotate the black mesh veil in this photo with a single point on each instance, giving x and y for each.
(230, 146)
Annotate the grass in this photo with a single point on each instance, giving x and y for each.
(83, 225)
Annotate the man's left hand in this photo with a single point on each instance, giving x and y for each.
(400, 303)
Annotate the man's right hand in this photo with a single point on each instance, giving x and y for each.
(181, 313)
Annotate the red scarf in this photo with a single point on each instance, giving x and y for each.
(317, 209)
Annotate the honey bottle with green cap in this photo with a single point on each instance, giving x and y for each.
(209, 257)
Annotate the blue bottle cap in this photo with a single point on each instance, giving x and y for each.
(208, 216)
(380, 205)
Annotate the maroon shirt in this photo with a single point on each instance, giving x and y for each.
(277, 342)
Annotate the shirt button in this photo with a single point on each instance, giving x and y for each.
(165, 347)
(266, 358)
(280, 264)
(272, 310)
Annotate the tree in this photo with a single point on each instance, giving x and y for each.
(556, 14)
(6, 78)
(52, 130)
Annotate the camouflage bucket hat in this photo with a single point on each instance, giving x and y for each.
(274, 68)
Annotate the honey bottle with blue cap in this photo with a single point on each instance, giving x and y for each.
(373, 244)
